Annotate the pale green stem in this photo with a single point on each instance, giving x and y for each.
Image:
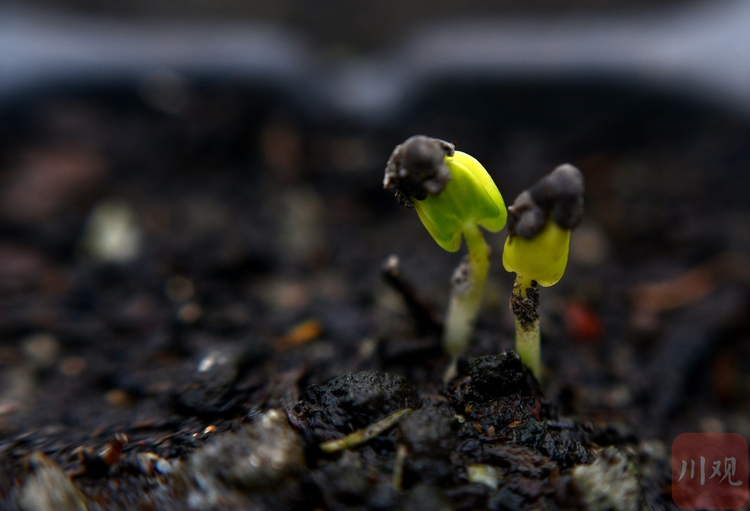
(528, 346)
(466, 299)
(528, 339)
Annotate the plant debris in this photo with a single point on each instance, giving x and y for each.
(363, 435)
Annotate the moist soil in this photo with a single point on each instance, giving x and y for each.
(197, 296)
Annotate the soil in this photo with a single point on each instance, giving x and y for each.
(193, 301)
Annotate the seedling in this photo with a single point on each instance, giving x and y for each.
(453, 195)
(539, 224)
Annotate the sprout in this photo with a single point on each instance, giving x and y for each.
(453, 195)
(539, 225)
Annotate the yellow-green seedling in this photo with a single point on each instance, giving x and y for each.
(453, 195)
(539, 224)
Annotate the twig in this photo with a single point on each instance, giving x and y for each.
(363, 435)
(426, 318)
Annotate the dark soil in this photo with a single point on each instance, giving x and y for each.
(253, 323)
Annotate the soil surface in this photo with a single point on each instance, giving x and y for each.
(196, 310)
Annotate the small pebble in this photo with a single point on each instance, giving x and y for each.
(618, 397)
(302, 333)
(286, 295)
(118, 397)
(213, 359)
(112, 452)
(149, 463)
(112, 233)
(367, 349)
(190, 312)
(8, 407)
(589, 246)
(72, 366)
(610, 483)
(48, 488)
(41, 349)
(259, 455)
(301, 233)
(483, 474)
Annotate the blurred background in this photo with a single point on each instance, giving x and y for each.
(365, 55)
(342, 28)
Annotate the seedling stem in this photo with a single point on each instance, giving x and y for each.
(528, 338)
(466, 299)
